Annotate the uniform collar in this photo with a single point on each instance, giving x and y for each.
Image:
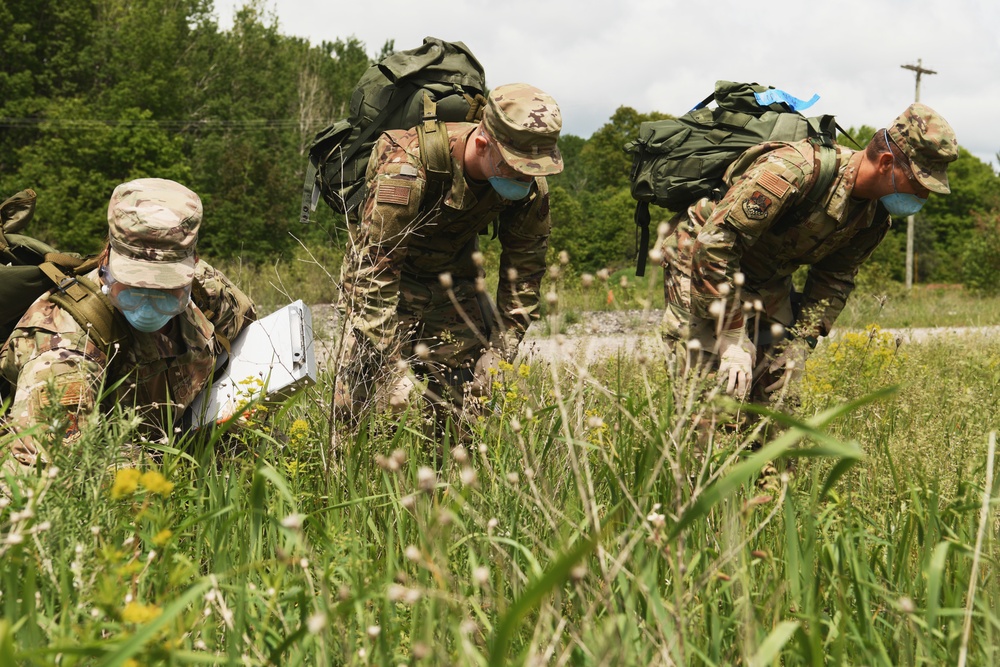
(843, 193)
(461, 196)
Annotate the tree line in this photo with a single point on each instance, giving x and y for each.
(95, 93)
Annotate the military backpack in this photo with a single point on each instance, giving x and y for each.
(435, 83)
(677, 161)
(29, 268)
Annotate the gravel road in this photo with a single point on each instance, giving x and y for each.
(601, 335)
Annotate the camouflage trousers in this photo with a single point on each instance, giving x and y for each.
(440, 337)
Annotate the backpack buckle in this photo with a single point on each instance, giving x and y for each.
(66, 283)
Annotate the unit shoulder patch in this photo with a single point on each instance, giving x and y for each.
(755, 206)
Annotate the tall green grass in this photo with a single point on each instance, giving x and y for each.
(590, 517)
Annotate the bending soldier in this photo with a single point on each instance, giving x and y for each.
(729, 287)
(412, 281)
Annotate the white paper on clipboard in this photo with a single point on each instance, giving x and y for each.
(273, 358)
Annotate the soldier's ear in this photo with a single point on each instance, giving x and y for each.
(885, 163)
(481, 142)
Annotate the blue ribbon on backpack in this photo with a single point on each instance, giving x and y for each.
(773, 95)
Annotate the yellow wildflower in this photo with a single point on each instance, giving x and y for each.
(297, 433)
(156, 483)
(299, 428)
(524, 370)
(126, 482)
(505, 366)
(136, 612)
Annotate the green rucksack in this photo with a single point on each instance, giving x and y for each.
(677, 161)
(437, 82)
(29, 268)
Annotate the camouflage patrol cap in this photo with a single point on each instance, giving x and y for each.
(154, 230)
(525, 122)
(929, 142)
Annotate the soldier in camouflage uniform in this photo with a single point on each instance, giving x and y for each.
(728, 283)
(412, 284)
(148, 273)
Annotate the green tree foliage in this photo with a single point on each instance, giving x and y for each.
(572, 177)
(94, 93)
(76, 165)
(603, 158)
(952, 221)
(597, 227)
(979, 259)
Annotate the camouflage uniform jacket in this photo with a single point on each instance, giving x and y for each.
(765, 229)
(400, 232)
(49, 348)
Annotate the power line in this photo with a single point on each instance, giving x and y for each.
(88, 123)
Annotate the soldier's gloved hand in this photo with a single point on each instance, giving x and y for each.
(736, 355)
(487, 367)
(790, 363)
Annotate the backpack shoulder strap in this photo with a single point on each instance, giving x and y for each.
(201, 299)
(435, 151)
(87, 304)
(826, 164)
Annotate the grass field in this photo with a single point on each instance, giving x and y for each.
(582, 522)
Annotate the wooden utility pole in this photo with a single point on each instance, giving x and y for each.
(919, 69)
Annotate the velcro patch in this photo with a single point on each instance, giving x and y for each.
(393, 193)
(773, 183)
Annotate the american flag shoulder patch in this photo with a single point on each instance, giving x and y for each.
(392, 193)
(773, 183)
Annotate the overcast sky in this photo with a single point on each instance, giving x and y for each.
(595, 56)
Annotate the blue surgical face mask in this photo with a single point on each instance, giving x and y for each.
(146, 318)
(900, 204)
(510, 188)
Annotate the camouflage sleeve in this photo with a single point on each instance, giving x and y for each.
(524, 237)
(47, 367)
(831, 280)
(370, 273)
(223, 303)
(763, 193)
